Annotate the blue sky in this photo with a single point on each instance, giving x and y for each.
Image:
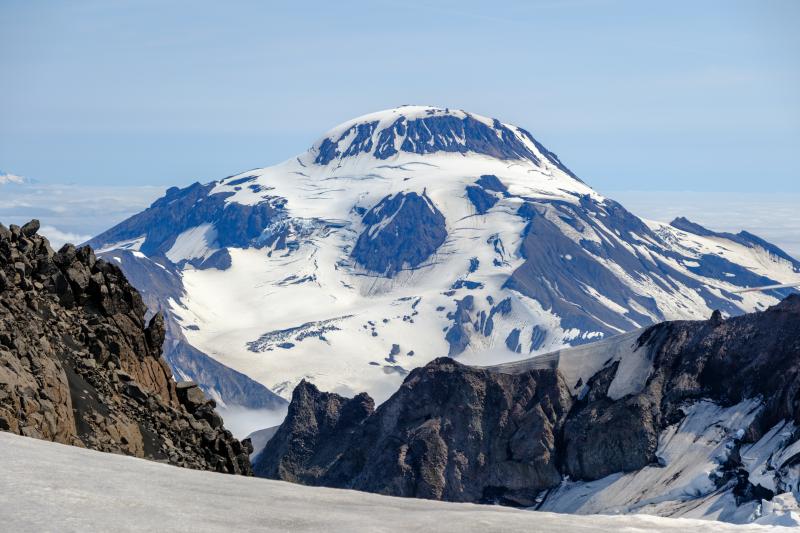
(633, 95)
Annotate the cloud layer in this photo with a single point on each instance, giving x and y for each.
(59, 238)
(70, 213)
(772, 216)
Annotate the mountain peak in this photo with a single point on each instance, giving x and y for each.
(426, 130)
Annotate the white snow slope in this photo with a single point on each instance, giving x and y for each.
(53, 487)
(307, 310)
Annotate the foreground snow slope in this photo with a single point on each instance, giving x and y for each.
(51, 487)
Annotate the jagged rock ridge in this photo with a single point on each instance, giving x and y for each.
(513, 433)
(79, 365)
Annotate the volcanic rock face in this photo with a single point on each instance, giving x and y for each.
(451, 432)
(510, 432)
(402, 230)
(79, 365)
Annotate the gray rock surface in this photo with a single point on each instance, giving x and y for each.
(451, 432)
(401, 231)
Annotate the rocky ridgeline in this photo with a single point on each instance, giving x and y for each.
(461, 433)
(79, 365)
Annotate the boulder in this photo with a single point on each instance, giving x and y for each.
(190, 395)
(30, 229)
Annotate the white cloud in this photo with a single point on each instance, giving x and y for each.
(59, 238)
(73, 213)
(11, 178)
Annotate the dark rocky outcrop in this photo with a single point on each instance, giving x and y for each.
(362, 142)
(490, 182)
(457, 336)
(482, 194)
(401, 231)
(182, 209)
(507, 433)
(481, 200)
(451, 432)
(436, 131)
(429, 134)
(80, 365)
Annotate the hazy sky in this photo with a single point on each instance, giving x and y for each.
(633, 95)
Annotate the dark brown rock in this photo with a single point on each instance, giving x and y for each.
(79, 365)
(30, 229)
(190, 395)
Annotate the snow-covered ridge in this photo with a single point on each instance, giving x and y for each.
(692, 453)
(7, 177)
(52, 487)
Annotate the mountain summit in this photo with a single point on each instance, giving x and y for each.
(409, 234)
(426, 130)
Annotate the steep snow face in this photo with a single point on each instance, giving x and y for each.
(197, 242)
(417, 232)
(52, 487)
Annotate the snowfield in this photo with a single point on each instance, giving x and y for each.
(53, 487)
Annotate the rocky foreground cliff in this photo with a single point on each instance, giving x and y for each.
(79, 365)
(682, 417)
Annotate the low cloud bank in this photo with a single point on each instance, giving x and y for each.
(772, 216)
(6, 177)
(72, 213)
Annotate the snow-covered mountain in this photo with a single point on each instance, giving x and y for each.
(413, 233)
(7, 177)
